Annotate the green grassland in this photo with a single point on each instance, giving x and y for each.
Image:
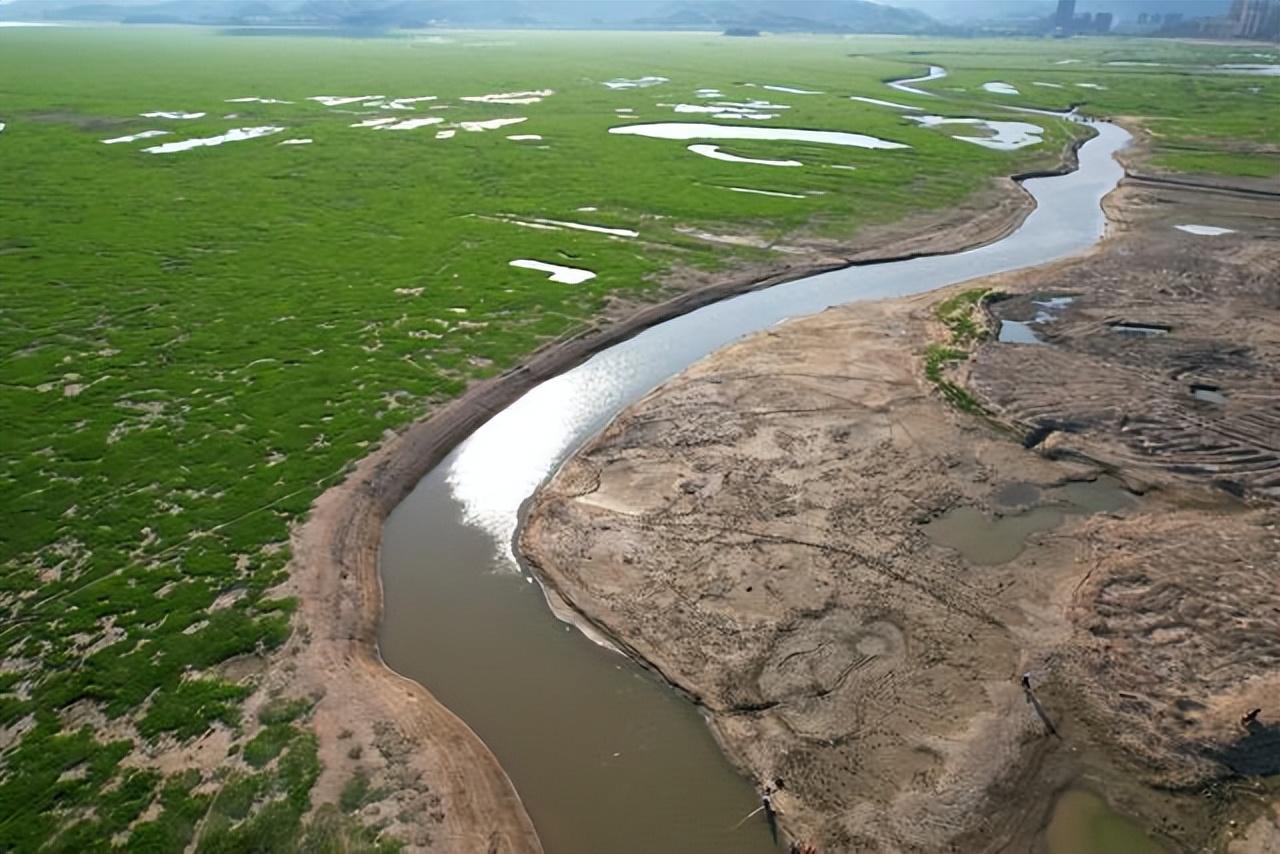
(196, 344)
(1200, 122)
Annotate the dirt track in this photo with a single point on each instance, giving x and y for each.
(753, 530)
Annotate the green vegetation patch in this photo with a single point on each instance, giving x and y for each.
(962, 315)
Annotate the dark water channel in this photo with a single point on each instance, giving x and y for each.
(606, 757)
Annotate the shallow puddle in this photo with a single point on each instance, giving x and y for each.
(717, 112)
(1021, 332)
(133, 137)
(341, 100)
(1208, 394)
(1083, 823)
(985, 540)
(1054, 303)
(880, 103)
(789, 90)
(989, 540)
(714, 152)
(774, 193)
(558, 224)
(695, 130)
(1104, 495)
(584, 227)
(175, 114)
(1006, 136)
(521, 98)
(1016, 493)
(233, 135)
(635, 83)
(412, 124)
(1205, 230)
(1252, 68)
(999, 88)
(558, 272)
(730, 110)
(490, 124)
(1132, 327)
(1017, 332)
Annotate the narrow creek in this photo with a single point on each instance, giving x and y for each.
(606, 756)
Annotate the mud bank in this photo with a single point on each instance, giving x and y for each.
(756, 531)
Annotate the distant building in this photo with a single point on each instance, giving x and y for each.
(1102, 22)
(1066, 14)
(1255, 19)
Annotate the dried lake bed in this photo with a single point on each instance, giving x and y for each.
(472, 501)
(796, 532)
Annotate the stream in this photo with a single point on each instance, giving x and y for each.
(605, 755)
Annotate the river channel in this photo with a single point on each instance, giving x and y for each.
(605, 755)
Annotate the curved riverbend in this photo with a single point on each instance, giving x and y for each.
(605, 756)
(936, 72)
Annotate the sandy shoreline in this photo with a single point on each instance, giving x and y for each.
(435, 758)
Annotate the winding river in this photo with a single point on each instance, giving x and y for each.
(606, 757)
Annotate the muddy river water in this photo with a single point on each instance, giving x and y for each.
(606, 756)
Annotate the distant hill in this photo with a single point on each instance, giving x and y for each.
(852, 16)
(968, 11)
(844, 16)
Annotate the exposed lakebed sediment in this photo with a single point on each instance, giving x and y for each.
(584, 734)
(769, 530)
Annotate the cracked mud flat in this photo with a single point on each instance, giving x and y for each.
(753, 530)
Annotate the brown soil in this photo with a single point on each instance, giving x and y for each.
(752, 530)
(1127, 399)
(445, 790)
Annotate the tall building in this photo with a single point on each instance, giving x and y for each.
(1255, 19)
(1066, 14)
